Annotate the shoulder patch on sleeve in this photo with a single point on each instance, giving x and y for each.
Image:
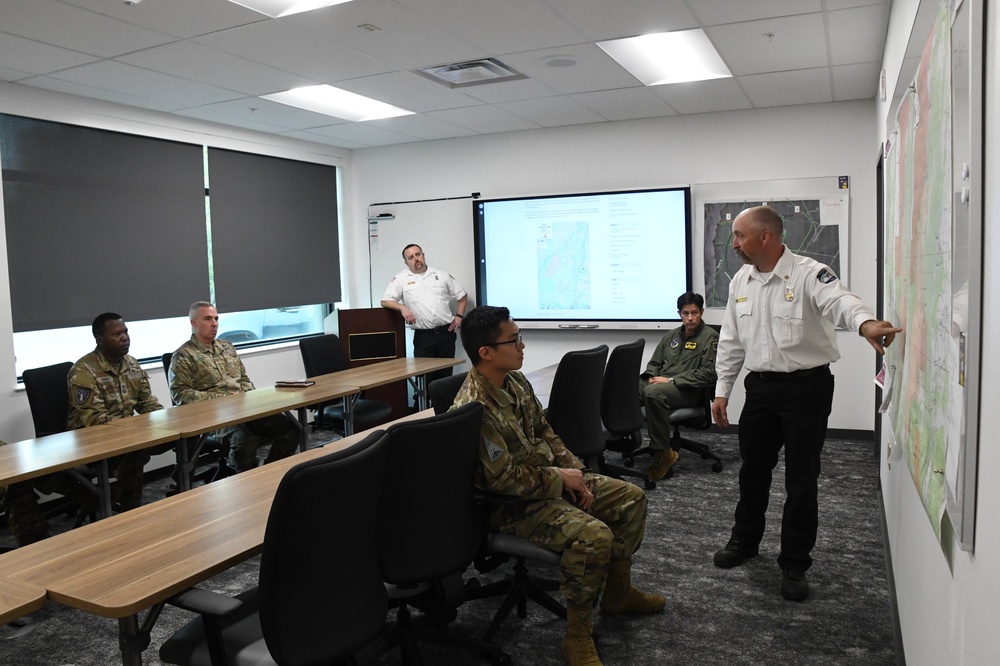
(493, 450)
(826, 276)
(81, 395)
(715, 345)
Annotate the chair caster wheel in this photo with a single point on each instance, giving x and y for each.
(650, 485)
(629, 462)
(717, 467)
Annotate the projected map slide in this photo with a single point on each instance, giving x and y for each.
(605, 256)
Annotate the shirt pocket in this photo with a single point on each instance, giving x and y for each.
(744, 319)
(787, 325)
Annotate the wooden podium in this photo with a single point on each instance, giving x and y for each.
(370, 335)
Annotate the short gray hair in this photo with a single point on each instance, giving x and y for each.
(198, 305)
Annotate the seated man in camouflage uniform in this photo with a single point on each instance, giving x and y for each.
(685, 356)
(204, 368)
(596, 522)
(105, 385)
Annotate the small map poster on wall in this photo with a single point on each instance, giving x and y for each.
(814, 227)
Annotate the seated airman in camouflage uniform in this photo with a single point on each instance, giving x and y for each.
(204, 368)
(105, 385)
(596, 522)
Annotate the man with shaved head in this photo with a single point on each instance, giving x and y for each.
(779, 324)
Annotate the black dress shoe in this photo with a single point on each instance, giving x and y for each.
(794, 586)
(734, 554)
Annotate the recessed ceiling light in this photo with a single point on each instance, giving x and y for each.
(339, 103)
(668, 57)
(279, 8)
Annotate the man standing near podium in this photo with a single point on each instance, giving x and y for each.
(423, 296)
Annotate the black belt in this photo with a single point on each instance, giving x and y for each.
(805, 372)
(436, 329)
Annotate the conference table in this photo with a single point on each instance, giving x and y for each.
(137, 560)
(32, 458)
(18, 599)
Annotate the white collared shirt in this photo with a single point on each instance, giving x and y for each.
(786, 322)
(427, 294)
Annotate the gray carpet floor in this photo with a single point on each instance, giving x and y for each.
(713, 616)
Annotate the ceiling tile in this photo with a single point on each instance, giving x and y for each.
(625, 104)
(363, 133)
(407, 90)
(92, 92)
(484, 119)
(423, 127)
(857, 35)
(595, 69)
(855, 81)
(704, 96)
(264, 111)
(802, 86)
(37, 58)
(799, 42)
(716, 12)
(552, 111)
(76, 29)
(509, 91)
(199, 63)
(600, 19)
(833, 5)
(292, 49)
(180, 18)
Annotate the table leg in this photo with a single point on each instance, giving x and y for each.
(104, 488)
(303, 438)
(420, 391)
(184, 465)
(349, 401)
(133, 639)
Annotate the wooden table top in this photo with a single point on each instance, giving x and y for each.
(197, 418)
(121, 565)
(32, 458)
(18, 599)
(386, 372)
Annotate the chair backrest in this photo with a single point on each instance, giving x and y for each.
(322, 355)
(621, 412)
(48, 397)
(321, 591)
(574, 410)
(443, 391)
(431, 525)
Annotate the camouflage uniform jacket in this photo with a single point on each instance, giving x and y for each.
(100, 392)
(202, 372)
(519, 454)
(686, 360)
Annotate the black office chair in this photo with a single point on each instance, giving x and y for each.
(574, 410)
(320, 596)
(431, 527)
(620, 410)
(696, 418)
(324, 354)
(208, 451)
(518, 588)
(48, 401)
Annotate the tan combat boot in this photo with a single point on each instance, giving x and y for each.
(620, 596)
(664, 461)
(578, 646)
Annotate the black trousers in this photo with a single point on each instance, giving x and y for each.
(434, 343)
(790, 411)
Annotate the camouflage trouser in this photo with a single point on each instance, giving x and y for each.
(20, 505)
(245, 438)
(660, 399)
(611, 530)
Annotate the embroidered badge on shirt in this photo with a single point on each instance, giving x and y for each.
(690, 344)
(81, 395)
(826, 276)
(741, 299)
(715, 346)
(674, 343)
(493, 450)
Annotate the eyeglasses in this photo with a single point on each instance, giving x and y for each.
(507, 342)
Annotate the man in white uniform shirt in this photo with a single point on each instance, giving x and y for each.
(423, 296)
(779, 323)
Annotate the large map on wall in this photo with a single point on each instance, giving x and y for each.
(925, 409)
(813, 227)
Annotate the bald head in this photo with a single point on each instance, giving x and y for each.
(764, 218)
(757, 237)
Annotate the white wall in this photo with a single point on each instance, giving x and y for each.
(948, 611)
(771, 144)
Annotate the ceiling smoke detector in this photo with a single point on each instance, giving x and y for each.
(471, 73)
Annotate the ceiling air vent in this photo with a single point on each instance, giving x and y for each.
(471, 73)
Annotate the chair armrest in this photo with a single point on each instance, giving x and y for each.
(490, 497)
(205, 602)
